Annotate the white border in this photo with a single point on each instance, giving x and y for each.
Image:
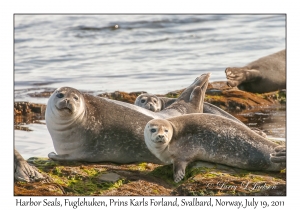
(8, 8)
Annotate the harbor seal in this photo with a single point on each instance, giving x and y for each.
(94, 129)
(212, 138)
(263, 75)
(23, 171)
(153, 103)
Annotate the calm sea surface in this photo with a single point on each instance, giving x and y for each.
(153, 53)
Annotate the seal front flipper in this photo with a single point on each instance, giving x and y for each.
(63, 157)
(179, 170)
(237, 76)
(279, 156)
(23, 171)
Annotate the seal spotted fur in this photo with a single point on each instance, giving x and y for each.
(206, 137)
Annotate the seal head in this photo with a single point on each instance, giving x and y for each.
(158, 134)
(149, 101)
(65, 113)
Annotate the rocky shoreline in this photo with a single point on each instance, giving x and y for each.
(84, 179)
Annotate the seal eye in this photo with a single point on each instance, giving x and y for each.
(153, 130)
(166, 131)
(154, 101)
(76, 98)
(143, 100)
(60, 95)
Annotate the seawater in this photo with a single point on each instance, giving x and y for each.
(153, 53)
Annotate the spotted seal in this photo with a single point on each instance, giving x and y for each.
(153, 102)
(263, 75)
(212, 138)
(94, 129)
(23, 171)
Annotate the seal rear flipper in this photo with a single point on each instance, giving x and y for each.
(23, 171)
(201, 81)
(179, 170)
(197, 98)
(280, 149)
(279, 156)
(278, 159)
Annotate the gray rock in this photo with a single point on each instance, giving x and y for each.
(110, 177)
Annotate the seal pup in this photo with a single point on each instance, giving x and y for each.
(260, 76)
(212, 138)
(94, 129)
(153, 103)
(23, 171)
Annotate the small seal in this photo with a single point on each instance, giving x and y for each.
(153, 102)
(94, 129)
(263, 75)
(212, 138)
(23, 171)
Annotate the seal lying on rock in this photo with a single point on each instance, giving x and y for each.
(94, 129)
(263, 75)
(23, 171)
(206, 137)
(153, 103)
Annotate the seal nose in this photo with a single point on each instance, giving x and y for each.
(160, 138)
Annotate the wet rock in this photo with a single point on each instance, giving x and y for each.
(139, 188)
(202, 178)
(122, 96)
(219, 94)
(45, 94)
(220, 85)
(110, 177)
(199, 164)
(25, 108)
